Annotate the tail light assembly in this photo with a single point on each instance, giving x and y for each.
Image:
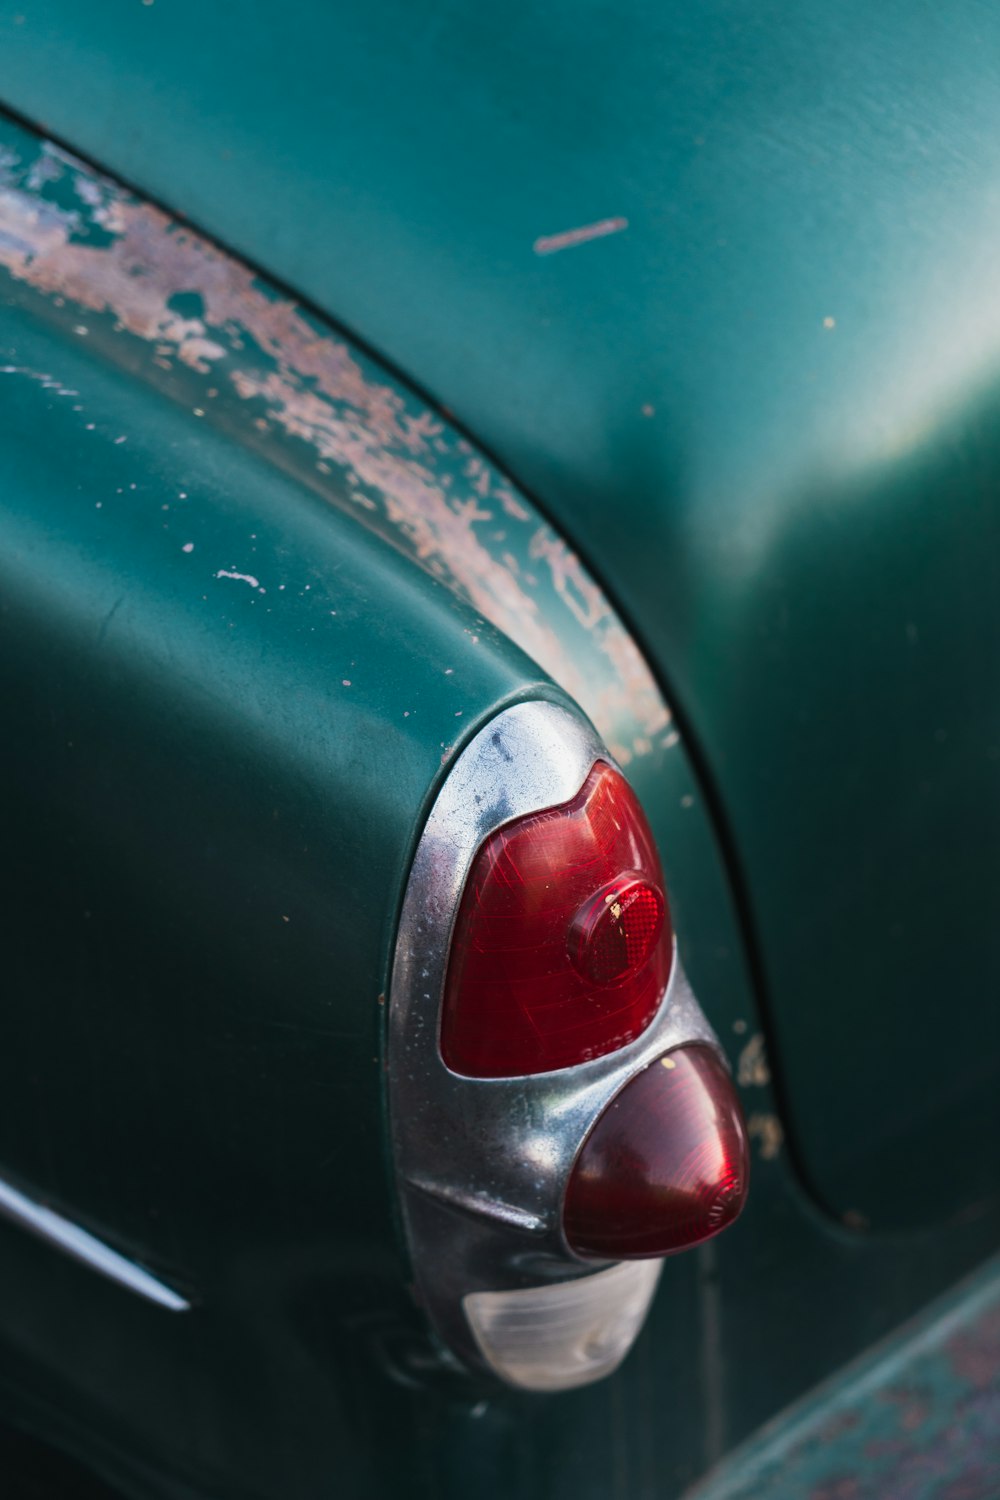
(562, 1114)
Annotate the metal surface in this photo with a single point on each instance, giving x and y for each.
(917, 1419)
(163, 301)
(198, 760)
(191, 768)
(765, 409)
(484, 1163)
(70, 1239)
(213, 792)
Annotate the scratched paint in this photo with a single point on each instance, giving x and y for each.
(917, 1420)
(549, 244)
(239, 577)
(182, 314)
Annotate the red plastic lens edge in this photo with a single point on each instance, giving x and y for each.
(665, 1167)
(540, 976)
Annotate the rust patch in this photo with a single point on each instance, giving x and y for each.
(369, 447)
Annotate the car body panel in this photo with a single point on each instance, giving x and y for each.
(218, 745)
(169, 702)
(716, 286)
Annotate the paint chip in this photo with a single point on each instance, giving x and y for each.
(188, 547)
(548, 244)
(752, 1070)
(767, 1130)
(240, 577)
(829, 322)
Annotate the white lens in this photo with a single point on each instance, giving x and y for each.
(568, 1333)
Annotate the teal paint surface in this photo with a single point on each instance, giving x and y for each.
(226, 708)
(765, 410)
(158, 299)
(188, 720)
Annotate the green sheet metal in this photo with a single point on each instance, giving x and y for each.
(234, 693)
(762, 402)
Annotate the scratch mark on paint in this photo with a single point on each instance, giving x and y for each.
(241, 577)
(548, 244)
(106, 622)
(47, 382)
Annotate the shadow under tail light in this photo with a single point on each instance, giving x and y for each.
(562, 1114)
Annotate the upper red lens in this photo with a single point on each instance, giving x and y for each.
(563, 943)
(665, 1167)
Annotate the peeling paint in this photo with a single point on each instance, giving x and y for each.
(178, 311)
(240, 577)
(767, 1130)
(752, 1070)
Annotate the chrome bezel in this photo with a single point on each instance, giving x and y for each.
(484, 1163)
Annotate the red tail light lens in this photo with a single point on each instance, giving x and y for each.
(665, 1167)
(563, 943)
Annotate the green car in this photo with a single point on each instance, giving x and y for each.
(500, 662)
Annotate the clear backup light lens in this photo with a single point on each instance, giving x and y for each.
(555, 1337)
(665, 1167)
(563, 943)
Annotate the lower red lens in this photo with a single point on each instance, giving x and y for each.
(665, 1167)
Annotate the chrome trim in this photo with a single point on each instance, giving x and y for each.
(484, 1208)
(62, 1234)
(483, 1163)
